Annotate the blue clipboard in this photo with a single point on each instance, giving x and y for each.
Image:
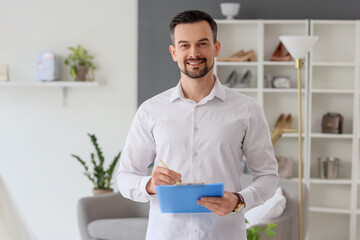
(183, 198)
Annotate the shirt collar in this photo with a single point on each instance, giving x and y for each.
(217, 91)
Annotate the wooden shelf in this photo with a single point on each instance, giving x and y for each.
(274, 63)
(332, 135)
(329, 181)
(237, 64)
(64, 85)
(332, 91)
(329, 210)
(245, 90)
(282, 90)
(333, 64)
(50, 84)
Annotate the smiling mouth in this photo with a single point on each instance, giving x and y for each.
(194, 63)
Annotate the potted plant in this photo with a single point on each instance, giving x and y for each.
(80, 63)
(253, 233)
(100, 177)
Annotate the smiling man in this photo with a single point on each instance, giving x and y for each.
(201, 130)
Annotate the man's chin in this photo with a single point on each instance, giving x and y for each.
(196, 75)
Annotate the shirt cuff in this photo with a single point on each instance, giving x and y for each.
(143, 183)
(248, 196)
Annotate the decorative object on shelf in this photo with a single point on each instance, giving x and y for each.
(100, 177)
(328, 167)
(281, 82)
(240, 56)
(280, 54)
(231, 80)
(230, 9)
(277, 81)
(4, 73)
(298, 47)
(332, 123)
(47, 67)
(80, 63)
(286, 166)
(90, 76)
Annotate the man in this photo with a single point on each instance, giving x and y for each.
(201, 130)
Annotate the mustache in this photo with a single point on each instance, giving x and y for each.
(196, 59)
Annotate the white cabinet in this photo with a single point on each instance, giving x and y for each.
(330, 83)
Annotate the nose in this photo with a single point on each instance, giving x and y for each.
(194, 52)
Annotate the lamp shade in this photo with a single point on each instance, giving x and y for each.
(298, 46)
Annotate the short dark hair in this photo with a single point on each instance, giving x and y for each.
(192, 16)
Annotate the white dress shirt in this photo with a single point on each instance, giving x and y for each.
(204, 142)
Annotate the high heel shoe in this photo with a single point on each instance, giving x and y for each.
(288, 122)
(244, 82)
(280, 122)
(240, 56)
(284, 122)
(231, 80)
(280, 54)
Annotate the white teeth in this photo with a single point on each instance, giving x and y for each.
(194, 63)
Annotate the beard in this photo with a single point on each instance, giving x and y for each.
(197, 72)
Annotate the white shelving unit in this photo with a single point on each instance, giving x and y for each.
(64, 85)
(330, 83)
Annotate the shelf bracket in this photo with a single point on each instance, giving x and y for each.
(64, 95)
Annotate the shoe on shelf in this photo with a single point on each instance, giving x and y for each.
(244, 82)
(280, 122)
(240, 56)
(280, 54)
(231, 80)
(284, 122)
(288, 121)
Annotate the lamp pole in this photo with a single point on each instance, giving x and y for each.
(299, 63)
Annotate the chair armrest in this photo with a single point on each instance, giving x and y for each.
(106, 206)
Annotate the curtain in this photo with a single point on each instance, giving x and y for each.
(12, 224)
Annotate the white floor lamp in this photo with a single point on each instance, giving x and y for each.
(298, 47)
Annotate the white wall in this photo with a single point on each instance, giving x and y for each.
(38, 134)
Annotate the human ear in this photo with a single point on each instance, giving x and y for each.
(172, 52)
(217, 48)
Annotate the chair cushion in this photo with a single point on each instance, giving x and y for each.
(271, 209)
(118, 228)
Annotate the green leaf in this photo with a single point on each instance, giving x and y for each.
(73, 71)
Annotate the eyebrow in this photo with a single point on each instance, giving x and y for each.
(201, 40)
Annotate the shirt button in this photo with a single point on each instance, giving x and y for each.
(195, 129)
(195, 154)
(195, 230)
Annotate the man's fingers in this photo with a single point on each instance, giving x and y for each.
(166, 176)
(170, 173)
(212, 199)
(213, 207)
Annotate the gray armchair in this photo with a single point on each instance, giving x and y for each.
(112, 217)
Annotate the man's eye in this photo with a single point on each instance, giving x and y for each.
(183, 46)
(203, 43)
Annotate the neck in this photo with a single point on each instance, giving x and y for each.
(197, 89)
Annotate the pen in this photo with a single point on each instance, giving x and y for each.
(163, 164)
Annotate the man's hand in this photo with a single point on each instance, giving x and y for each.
(220, 205)
(162, 176)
